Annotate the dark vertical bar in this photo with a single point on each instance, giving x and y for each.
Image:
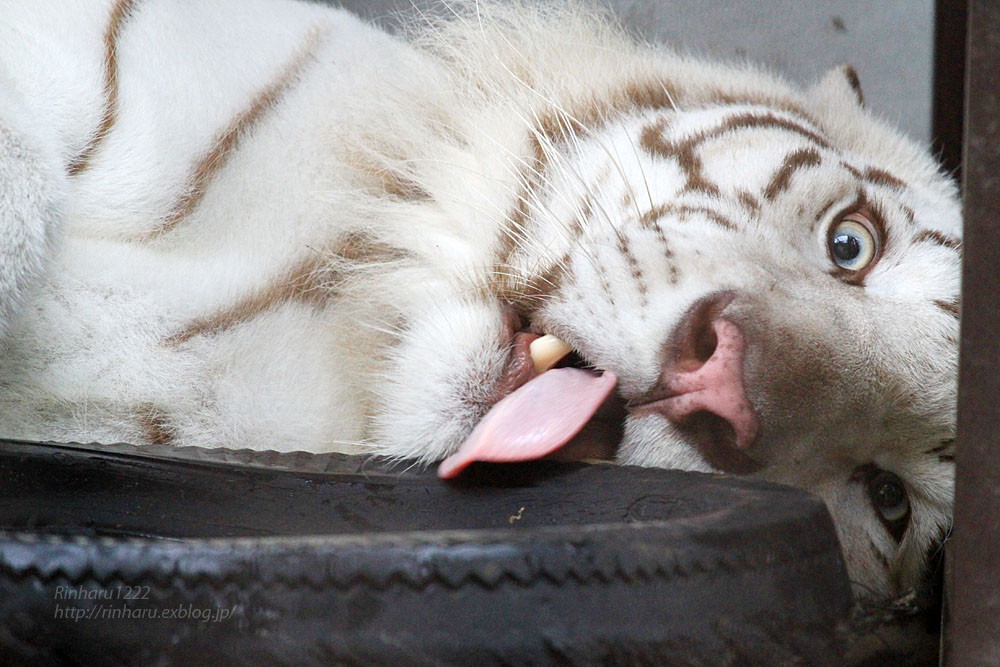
(950, 21)
(973, 635)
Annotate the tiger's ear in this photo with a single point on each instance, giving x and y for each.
(838, 85)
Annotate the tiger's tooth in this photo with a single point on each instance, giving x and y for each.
(546, 351)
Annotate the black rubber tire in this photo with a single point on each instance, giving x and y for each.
(327, 559)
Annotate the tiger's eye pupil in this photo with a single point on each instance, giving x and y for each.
(889, 494)
(846, 247)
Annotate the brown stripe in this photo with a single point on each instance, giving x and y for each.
(714, 216)
(825, 208)
(651, 139)
(653, 93)
(397, 185)
(682, 212)
(591, 114)
(652, 215)
(751, 99)
(648, 220)
(908, 212)
(953, 308)
(228, 141)
(361, 248)
(633, 265)
(532, 292)
(120, 13)
(800, 159)
(561, 126)
(882, 177)
(749, 201)
(853, 171)
(692, 165)
(938, 238)
(768, 121)
(154, 426)
(388, 180)
(308, 282)
(601, 273)
(584, 214)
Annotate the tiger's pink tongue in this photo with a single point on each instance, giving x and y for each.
(535, 420)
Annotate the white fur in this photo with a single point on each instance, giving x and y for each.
(403, 353)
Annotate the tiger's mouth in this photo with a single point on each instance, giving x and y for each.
(550, 403)
(711, 435)
(600, 436)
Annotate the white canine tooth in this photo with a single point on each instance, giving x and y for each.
(546, 351)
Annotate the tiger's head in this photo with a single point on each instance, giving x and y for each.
(772, 280)
(775, 287)
(764, 279)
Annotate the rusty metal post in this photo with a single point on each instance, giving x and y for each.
(973, 633)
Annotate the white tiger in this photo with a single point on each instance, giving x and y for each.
(265, 224)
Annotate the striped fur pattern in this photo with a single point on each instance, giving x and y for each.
(265, 224)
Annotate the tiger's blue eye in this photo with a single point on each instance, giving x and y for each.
(853, 243)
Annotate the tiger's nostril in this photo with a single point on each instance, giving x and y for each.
(705, 342)
(702, 390)
(695, 340)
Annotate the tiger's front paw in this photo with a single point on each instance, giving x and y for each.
(449, 369)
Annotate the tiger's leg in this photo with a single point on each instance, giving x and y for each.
(33, 186)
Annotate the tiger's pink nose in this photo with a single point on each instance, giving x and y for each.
(694, 384)
(701, 389)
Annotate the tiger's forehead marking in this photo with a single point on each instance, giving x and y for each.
(800, 159)
(823, 210)
(652, 140)
(685, 151)
(882, 177)
(683, 212)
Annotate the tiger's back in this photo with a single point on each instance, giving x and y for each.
(277, 227)
(177, 221)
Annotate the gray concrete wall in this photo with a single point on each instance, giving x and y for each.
(889, 42)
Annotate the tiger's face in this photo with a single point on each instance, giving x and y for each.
(776, 292)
